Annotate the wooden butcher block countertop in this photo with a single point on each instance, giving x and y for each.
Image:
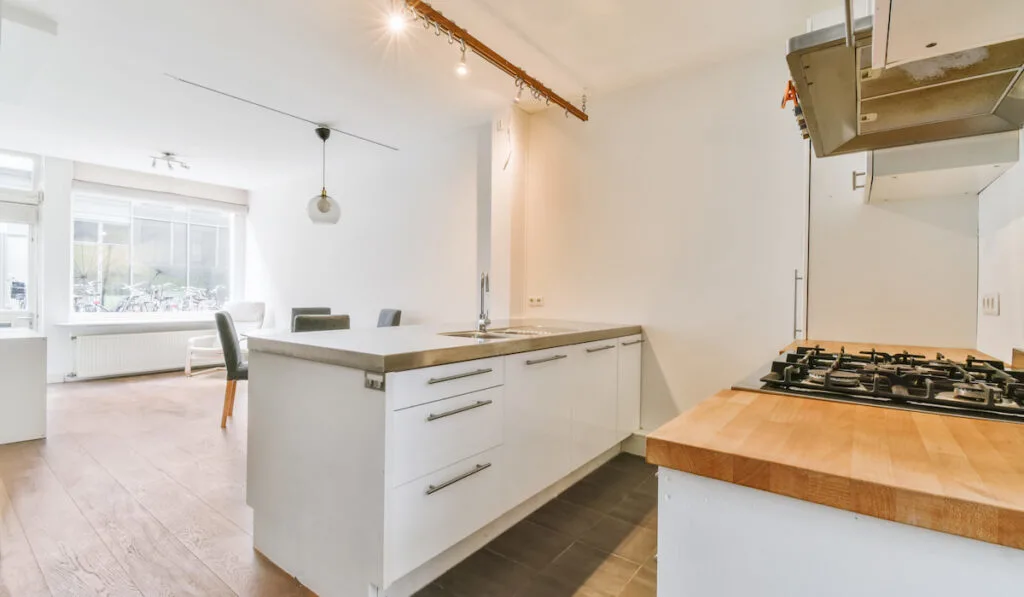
(945, 473)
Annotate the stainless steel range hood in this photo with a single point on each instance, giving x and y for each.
(851, 107)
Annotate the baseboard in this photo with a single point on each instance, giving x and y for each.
(427, 573)
(636, 443)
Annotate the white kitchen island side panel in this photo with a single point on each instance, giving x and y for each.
(22, 385)
(316, 472)
(718, 539)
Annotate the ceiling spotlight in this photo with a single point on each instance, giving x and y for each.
(462, 69)
(397, 22)
(170, 159)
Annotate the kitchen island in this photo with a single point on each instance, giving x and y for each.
(22, 385)
(379, 458)
(779, 495)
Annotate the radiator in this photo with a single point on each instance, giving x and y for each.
(128, 354)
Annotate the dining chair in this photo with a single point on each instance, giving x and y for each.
(320, 323)
(237, 368)
(296, 311)
(389, 318)
(247, 316)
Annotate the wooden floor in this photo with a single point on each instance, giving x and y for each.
(138, 491)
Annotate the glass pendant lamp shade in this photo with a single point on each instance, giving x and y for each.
(323, 209)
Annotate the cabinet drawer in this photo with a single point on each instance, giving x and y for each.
(431, 436)
(419, 386)
(429, 515)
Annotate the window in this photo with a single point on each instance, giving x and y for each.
(14, 265)
(17, 172)
(134, 256)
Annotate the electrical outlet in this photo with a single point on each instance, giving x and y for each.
(990, 304)
(536, 301)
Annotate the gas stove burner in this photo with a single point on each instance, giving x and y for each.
(972, 392)
(892, 368)
(976, 387)
(843, 379)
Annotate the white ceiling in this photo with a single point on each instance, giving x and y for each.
(97, 92)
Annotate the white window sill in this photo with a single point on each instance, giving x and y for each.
(196, 321)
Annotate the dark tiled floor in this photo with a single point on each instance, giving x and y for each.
(596, 539)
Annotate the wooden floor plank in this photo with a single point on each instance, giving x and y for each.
(20, 575)
(73, 559)
(222, 545)
(157, 562)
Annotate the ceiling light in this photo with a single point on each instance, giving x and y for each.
(397, 22)
(519, 95)
(322, 208)
(462, 69)
(443, 26)
(170, 159)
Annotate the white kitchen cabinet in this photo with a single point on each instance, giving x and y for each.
(419, 386)
(363, 488)
(538, 420)
(908, 30)
(431, 436)
(594, 400)
(22, 385)
(628, 389)
(429, 515)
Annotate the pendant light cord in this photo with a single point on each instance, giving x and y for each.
(323, 168)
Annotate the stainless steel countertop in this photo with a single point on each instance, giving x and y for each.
(384, 350)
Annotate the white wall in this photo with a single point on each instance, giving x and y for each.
(161, 184)
(679, 206)
(407, 238)
(898, 273)
(1001, 262)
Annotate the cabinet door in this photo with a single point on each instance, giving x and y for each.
(594, 400)
(538, 411)
(629, 352)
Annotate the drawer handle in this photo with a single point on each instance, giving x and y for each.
(434, 380)
(600, 348)
(547, 360)
(477, 404)
(632, 342)
(432, 489)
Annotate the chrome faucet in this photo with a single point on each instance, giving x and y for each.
(485, 287)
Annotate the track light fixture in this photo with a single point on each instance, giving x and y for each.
(433, 19)
(462, 69)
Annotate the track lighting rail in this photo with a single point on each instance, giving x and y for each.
(433, 19)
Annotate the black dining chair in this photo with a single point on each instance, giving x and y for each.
(320, 323)
(389, 318)
(237, 368)
(296, 311)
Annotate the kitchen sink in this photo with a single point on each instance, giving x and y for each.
(532, 330)
(474, 335)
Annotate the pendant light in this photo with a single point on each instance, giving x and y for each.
(322, 208)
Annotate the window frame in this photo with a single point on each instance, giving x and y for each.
(234, 226)
(36, 182)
